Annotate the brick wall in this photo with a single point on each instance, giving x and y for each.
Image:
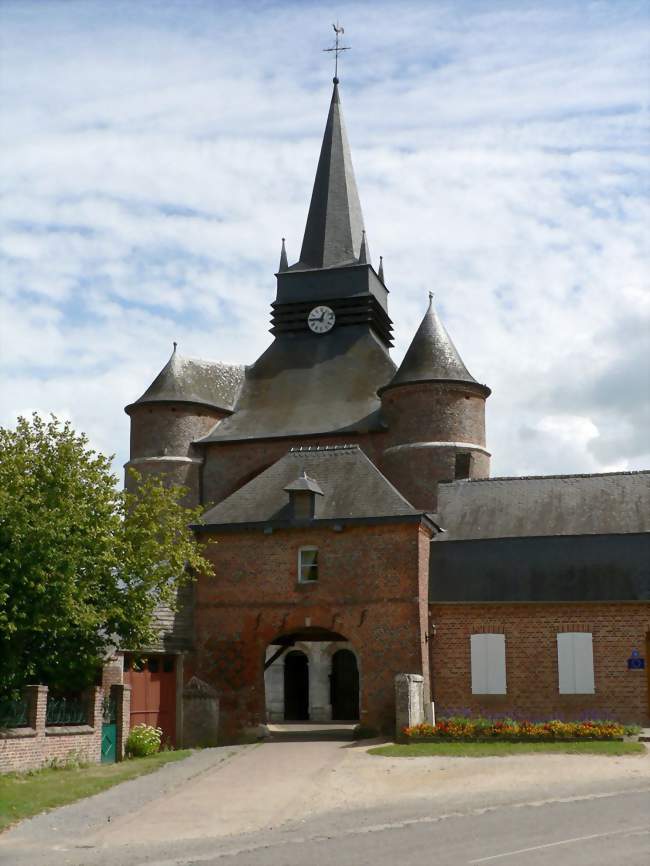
(37, 744)
(370, 590)
(531, 659)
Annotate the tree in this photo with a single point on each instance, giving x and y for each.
(83, 564)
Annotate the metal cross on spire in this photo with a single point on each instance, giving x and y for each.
(337, 48)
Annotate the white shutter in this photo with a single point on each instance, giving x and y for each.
(479, 665)
(496, 653)
(565, 666)
(488, 652)
(583, 660)
(575, 661)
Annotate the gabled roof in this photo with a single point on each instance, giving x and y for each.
(432, 356)
(192, 380)
(335, 222)
(352, 488)
(557, 505)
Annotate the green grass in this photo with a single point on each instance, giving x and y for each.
(485, 750)
(25, 794)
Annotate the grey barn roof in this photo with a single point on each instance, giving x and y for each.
(192, 380)
(585, 568)
(334, 222)
(432, 356)
(616, 502)
(352, 487)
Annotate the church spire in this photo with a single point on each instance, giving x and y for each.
(432, 356)
(335, 222)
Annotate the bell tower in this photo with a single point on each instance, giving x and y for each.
(334, 269)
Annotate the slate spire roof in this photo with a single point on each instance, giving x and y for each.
(335, 222)
(432, 356)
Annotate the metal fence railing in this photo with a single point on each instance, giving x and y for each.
(66, 711)
(14, 713)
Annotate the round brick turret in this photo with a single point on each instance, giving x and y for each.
(161, 443)
(434, 411)
(181, 406)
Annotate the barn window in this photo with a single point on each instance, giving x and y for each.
(575, 663)
(488, 659)
(307, 564)
(463, 464)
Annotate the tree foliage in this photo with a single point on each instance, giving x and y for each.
(83, 564)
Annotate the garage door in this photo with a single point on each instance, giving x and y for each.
(153, 692)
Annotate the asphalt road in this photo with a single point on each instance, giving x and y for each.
(302, 804)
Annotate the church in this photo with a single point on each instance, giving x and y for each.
(356, 533)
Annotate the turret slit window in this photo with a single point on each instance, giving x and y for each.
(307, 564)
(463, 465)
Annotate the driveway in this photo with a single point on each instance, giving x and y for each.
(250, 802)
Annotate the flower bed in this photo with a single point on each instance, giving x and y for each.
(465, 729)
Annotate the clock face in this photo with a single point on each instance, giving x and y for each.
(321, 320)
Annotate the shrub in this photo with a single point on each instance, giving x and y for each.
(143, 740)
(463, 728)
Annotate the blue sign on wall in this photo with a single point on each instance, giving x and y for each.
(635, 662)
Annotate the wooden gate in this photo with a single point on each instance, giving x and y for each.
(109, 731)
(153, 693)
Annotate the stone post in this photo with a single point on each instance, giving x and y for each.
(409, 702)
(37, 708)
(121, 694)
(200, 714)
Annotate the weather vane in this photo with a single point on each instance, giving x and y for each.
(337, 49)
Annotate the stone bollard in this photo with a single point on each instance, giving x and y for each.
(200, 714)
(409, 702)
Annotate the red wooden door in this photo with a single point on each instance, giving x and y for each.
(153, 693)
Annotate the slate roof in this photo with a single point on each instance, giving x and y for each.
(334, 222)
(584, 568)
(304, 384)
(432, 356)
(353, 488)
(558, 505)
(192, 380)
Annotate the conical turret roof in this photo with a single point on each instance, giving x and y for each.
(432, 356)
(193, 380)
(335, 222)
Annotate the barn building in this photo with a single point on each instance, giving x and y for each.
(359, 532)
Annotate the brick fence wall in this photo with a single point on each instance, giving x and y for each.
(36, 744)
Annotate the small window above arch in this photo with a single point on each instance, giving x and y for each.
(307, 564)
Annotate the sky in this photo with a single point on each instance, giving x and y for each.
(154, 154)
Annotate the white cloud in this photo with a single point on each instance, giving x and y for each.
(155, 153)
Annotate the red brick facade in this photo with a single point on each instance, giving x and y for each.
(372, 589)
(531, 659)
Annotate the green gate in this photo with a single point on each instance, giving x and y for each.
(109, 731)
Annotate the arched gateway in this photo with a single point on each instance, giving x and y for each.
(311, 675)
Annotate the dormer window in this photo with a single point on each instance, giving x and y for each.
(302, 497)
(307, 564)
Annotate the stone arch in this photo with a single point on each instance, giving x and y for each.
(319, 646)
